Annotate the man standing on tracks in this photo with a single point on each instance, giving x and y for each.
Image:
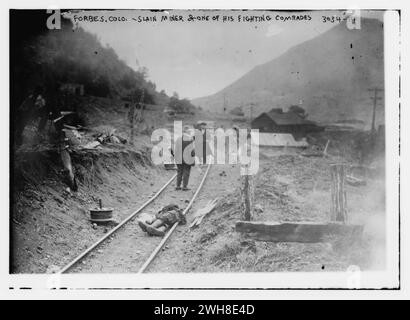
(204, 139)
(184, 155)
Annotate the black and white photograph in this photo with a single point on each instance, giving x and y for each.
(204, 148)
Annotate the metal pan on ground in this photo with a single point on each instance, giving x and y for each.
(101, 215)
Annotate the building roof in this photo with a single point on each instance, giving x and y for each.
(287, 118)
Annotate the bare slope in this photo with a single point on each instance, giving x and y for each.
(329, 74)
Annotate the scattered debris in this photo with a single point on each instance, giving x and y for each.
(353, 181)
(258, 208)
(52, 269)
(73, 136)
(16, 222)
(92, 145)
(222, 174)
(110, 137)
(101, 136)
(315, 151)
(271, 194)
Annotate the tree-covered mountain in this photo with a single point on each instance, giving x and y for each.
(50, 58)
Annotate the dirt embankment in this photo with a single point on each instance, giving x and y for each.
(50, 224)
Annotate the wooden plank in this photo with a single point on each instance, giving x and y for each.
(325, 150)
(247, 195)
(296, 232)
(353, 181)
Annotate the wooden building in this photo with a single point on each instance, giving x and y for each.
(277, 121)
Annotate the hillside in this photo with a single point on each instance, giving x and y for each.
(330, 75)
(52, 58)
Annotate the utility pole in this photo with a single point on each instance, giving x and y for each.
(251, 111)
(141, 105)
(131, 119)
(375, 98)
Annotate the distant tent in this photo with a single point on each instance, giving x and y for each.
(278, 140)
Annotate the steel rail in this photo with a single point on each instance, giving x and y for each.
(111, 232)
(169, 233)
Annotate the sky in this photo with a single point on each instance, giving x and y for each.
(200, 58)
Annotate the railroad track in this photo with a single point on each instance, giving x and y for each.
(116, 231)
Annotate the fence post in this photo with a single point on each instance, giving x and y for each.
(247, 195)
(131, 119)
(338, 192)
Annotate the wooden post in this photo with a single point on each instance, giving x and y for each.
(325, 150)
(296, 231)
(375, 98)
(247, 195)
(131, 119)
(338, 192)
(141, 107)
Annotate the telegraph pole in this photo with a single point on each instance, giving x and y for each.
(141, 105)
(375, 98)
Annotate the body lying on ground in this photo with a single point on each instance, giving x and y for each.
(163, 220)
